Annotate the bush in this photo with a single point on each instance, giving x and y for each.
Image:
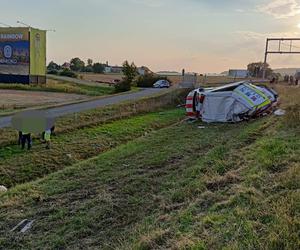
(98, 68)
(147, 81)
(52, 72)
(68, 73)
(122, 86)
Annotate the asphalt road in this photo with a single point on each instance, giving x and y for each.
(79, 107)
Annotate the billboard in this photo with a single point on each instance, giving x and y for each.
(14, 51)
(37, 52)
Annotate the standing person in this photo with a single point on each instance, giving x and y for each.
(47, 138)
(291, 80)
(52, 130)
(20, 138)
(26, 137)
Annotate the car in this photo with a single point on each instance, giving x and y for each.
(162, 84)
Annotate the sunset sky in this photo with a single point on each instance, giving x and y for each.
(198, 35)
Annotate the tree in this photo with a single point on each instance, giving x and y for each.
(98, 68)
(130, 71)
(256, 69)
(77, 64)
(53, 66)
(89, 66)
(89, 62)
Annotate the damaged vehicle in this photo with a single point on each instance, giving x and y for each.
(230, 103)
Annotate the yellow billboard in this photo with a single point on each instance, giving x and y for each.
(37, 52)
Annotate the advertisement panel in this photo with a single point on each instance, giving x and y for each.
(37, 52)
(14, 51)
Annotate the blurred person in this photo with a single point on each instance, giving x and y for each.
(26, 137)
(19, 138)
(47, 137)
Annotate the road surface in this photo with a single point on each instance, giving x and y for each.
(79, 107)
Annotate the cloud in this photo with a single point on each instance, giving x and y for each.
(149, 3)
(240, 10)
(280, 8)
(252, 45)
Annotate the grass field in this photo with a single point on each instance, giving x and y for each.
(209, 80)
(12, 100)
(105, 78)
(63, 87)
(163, 185)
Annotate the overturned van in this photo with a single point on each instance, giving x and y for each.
(230, 103)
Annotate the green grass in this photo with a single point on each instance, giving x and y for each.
(179, 187)
(19, 166)
(162, 186)
(62, 87)
(95, 117)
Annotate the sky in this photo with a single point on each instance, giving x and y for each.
(199, 35)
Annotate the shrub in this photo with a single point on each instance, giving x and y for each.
(68, 73)
(147, 81)
(122, 86)
(53, 72)
(98, 68)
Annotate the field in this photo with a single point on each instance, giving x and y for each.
(18, 99)
(105, 78)
(137, 176)
(210, 80)
(63, 87)
(18, 96)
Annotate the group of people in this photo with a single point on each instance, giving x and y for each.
(25, 138)
(292, 80)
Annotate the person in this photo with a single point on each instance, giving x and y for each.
(52, 130)
(20, 138)
(291, 80)
(43, 134)
(26, 137)
(47, 138)
(273, 80)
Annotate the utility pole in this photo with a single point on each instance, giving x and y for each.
(265, 61)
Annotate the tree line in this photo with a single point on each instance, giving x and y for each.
(76, 65)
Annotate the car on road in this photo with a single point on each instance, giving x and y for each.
(162, 84)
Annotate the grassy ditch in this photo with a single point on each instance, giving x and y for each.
(179, 187)
(19, 166)
(227, 186)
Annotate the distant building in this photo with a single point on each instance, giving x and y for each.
(168, 73)
(113, 69)
(66, 65)
(144, 71)
(107, 69)
(238, 73)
